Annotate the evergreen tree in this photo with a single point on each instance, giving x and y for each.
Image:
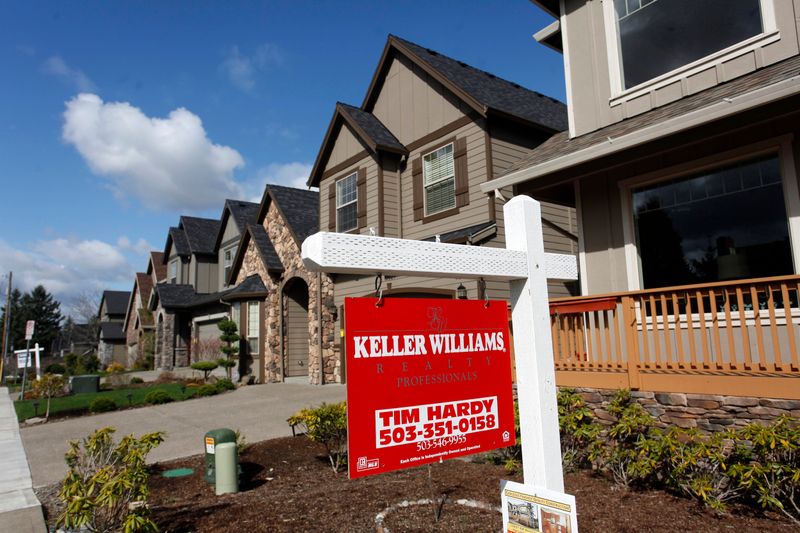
(39, 305)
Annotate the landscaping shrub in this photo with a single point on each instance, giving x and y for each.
(55, 368)
(224, 384)
(206, 390)
(50, 386)
(115, 368)
(106, 487)
(326, 424)
(577, 428)
(205, 367)
(241, 443)
(136, 380)
(230, 348)
(102, 405)
(157, 397)
(81, 364)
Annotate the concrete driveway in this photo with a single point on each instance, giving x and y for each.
(259, 411)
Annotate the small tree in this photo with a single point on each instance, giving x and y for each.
(231, 338)
(105, 489)
(50, 385)
(205, 367)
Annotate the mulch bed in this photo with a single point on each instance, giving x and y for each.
(288, 486)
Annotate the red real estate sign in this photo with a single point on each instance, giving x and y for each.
(427, 380)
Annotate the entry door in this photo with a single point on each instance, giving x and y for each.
(297, 332)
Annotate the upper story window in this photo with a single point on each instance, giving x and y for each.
(347, 203)
(658, 36)
(227, 261)
(439, 178)
(173, 271)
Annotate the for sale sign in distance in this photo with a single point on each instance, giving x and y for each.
(427, 380)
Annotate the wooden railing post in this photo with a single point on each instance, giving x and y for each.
(631, 341)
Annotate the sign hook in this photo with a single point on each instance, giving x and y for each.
(482, 289)
(379, 289)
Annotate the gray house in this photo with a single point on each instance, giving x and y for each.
(111, 336)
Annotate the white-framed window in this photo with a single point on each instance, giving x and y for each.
(653, 41)
(227, 260)
(347, 203)
(439, 180)
(173, 271)
(236, 315)
(253, 326)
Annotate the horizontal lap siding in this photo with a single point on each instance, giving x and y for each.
(372, 193)
(391, 200)
(364, 286)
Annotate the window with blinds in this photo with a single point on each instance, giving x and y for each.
(229, 254)
(439, 179)
(253, 329)
(347, 203)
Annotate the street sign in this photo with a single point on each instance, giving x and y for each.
(428, 379)
(29, 325)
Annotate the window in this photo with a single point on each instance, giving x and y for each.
(347, 203)
(173, 271)
(729, 223)
(658, 36)
(253, 326)
(236, 315)
(439, 179)
(227, 261)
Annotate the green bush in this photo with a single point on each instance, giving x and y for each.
(102, 405)
(326, 424)
(136, 380)
(157, 397)
(106, 486)
(206, 367)
(577, 428)
(206, 390)
(81, 364)
(55, 368)
(224, 384)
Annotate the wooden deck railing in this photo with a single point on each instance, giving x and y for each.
(733, 338)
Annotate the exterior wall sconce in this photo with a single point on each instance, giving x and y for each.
(333, 311)
(461, 292)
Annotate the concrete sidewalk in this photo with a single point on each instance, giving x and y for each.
(20, 511)
(259, 411)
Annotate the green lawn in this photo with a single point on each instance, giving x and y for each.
(80, 402)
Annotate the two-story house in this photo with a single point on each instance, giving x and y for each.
(681, 161)
(111, 336)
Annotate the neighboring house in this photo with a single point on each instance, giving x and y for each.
(138, 321)
(681, 160)
(187, 304)
(276, 302)
(111, 341)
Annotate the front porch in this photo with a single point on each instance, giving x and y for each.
(736, 338)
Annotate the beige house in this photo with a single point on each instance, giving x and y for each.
(681, 162)
(111, 336)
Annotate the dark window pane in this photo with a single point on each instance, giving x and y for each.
(346, 217)
(738, 233)
(663, 35)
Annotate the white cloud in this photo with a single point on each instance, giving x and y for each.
(140, 247)
(56, 66)
(67, 267)
(166, 163)
(294, 174)
(241, 69)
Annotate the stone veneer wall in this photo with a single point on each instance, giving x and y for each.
(165, 341)
(706, 412)
(288, 251)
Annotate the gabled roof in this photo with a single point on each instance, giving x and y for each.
(251, 287)
(177, 238)
(201, 234)
(266, 251)
(365, 126)
(157, 265)
(182, 296)
(242, 213)
(116, 302)
(486, 93)
(299, 208)
(143, 284)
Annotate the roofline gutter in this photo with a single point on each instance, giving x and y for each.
(725, 108)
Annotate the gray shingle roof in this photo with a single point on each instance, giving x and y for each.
(182, 296)
(492, 91)
(265, 248)
(116, 302)
(179, 242)
(201, 234)
(243, 213)
(252, 285)
(462, 234)
(111, 331)
(372, 128)
(300, 207)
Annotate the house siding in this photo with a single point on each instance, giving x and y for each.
(347, 145)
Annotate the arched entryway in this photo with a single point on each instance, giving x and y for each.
(295, 328)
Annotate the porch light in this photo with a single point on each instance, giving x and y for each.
(461, 292)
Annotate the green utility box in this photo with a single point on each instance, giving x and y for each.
(80, 384)
(212, 438)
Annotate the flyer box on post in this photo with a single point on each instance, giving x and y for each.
(427, 380)
(532, 509)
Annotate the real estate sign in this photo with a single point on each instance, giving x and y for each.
(532, 509)
(427, 380)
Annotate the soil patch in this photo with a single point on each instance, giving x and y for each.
(288, 486)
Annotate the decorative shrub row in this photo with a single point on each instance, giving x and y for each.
(756, 465)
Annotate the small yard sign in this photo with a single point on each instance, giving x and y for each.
(531, 509)
(428, 380)
(29, 325)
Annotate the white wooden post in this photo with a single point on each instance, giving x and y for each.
(533, 349)
(526, 265)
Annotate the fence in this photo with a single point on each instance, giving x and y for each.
(731, 338)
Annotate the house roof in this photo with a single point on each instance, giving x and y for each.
(299, 207)
(116, 302)
(251, 287)
(111, 331)
(365, 126)
(242, 213)
(560, 147)
(201, 234)
(484, 92)
(143, 284)
(464, 234)
(265, 248)
(182, 296)
(158, 265)
(177, 237)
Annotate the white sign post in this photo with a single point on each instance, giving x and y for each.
(526, 265)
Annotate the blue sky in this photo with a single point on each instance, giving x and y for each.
(118, 117)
